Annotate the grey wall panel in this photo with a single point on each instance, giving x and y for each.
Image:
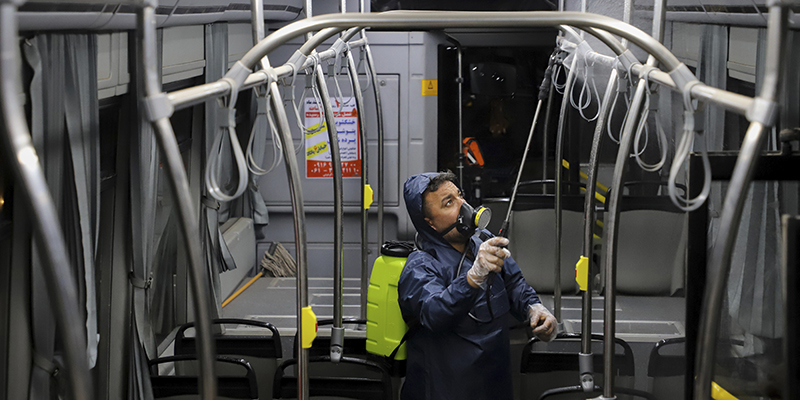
(280, 228)
(320, 252)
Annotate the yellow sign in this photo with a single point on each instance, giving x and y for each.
(430, 87)
(318, 148)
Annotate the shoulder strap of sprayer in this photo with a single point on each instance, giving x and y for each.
(413, 328)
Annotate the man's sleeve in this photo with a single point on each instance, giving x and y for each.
(521, 294)
(422, 293)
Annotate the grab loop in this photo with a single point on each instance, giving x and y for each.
(264, 112)
(622, 87)
(682, 152)
(214, 166)
(642, 129)
(304, 130)
(588, 76)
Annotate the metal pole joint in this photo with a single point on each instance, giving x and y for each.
(684, 79)
(237, 75)
(764, 111)
(158, 106)
(296, 61)
(586, 365)
(337, 344)
(626, 61)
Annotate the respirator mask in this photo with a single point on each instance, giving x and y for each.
(469, 219)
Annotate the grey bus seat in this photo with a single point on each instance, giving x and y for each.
(371, 382)
(229, 385)
(547, 366)
(666, 369)
(650, 256)
(652, 242)
(354, 348)
(533, 241)
(261, 351)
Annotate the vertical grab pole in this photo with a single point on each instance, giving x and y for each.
(308, 7)
(585, 357)
(762, 117)
(22, 159)
(367, 52)
(257, 16)
(362, 133)
(559, 155)
(612, 232)
(299, 219)
(381, 170)
(159, 109)
(338, 207)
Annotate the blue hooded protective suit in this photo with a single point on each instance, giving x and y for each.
(458, 351)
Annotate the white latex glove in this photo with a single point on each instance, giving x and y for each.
(490, 259)
(543, 323)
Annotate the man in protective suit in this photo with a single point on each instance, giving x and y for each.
(460, 345)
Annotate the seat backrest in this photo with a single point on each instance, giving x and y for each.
(240, 384)
(370, 381)
(261, 351)
(547, 366)
(666, 368)
(650, 252)
(533, 242)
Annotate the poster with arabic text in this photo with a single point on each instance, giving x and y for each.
(318, 154)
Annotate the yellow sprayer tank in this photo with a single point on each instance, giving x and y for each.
(385, 325)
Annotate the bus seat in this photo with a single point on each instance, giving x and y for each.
(532, 243)
(666, 369)
(261, 351)
(650, 255)
(546, 366)
(371, 381)
(181, 387)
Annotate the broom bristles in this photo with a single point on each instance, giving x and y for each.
(278, 262)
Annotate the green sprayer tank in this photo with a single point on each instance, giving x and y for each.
(385, 325)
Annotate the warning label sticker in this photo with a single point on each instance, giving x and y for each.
(430, 87)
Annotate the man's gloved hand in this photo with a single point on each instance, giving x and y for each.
(543, 323)
(490, 259)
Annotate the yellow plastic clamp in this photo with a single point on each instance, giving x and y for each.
(581, 273)
(368, 194)
(309, 327)
(718, 393)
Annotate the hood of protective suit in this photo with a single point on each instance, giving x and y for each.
(412, 194)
